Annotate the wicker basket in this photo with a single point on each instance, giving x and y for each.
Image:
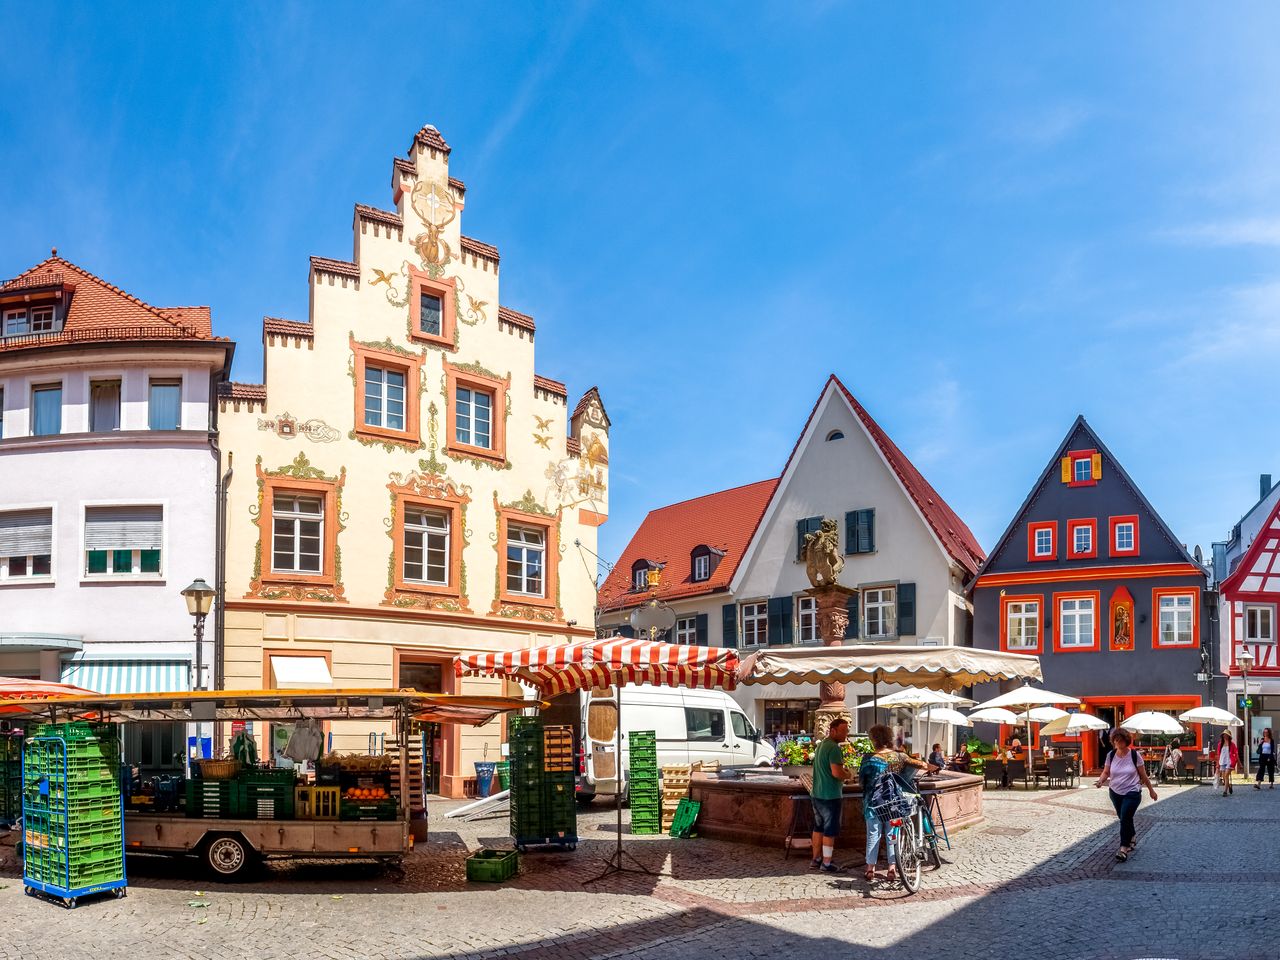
(218, 769)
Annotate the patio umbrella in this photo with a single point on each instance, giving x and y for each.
(13, 689)
(938, 668)
(1151, 722)
(994, 715)
(1027, 696)
(560, 668)
(916, 698)
(1211, 715)
(952, 718)
(1041, 714)
(1072, 725)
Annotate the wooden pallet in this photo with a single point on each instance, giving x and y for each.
(417, 800)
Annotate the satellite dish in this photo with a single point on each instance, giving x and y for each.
(1199, 555)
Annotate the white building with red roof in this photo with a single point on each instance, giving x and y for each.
(107, 505)
(730, 565)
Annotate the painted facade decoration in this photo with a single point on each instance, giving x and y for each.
(733, 568)
(436, 507)
(1090, 578)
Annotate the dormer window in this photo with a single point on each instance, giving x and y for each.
(703, 561)
(702, 567)
(25, 320)
(640, 576)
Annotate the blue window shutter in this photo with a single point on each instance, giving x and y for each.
(851, 532)
(779, 620)
(867, 531)
(700, 629)
(906, 609)
(851, 631)
(730, 614)
(807, 525)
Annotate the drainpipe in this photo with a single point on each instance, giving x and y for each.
(220, 540)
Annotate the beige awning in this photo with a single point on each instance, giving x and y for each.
(938, 668)
(300, 673)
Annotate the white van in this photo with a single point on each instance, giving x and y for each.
(691, 725)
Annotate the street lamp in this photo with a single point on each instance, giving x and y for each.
(199, 597)
(1245, 660)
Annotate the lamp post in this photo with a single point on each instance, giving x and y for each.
(199, 597)
(1244, 659)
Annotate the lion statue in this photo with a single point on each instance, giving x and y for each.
(822, 558)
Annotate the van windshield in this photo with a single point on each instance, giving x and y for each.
(704, 724)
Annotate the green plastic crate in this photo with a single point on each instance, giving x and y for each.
(367, 810)
(492, 866)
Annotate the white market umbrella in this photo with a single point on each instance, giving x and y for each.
(1042, 714)
(994, 715)
(1212, 715)
(915, 698)
(952, 718)
(1026, 697)
(1151, 722)
(1072, 725)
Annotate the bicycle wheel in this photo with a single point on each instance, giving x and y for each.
(909, 856)
(930, 840)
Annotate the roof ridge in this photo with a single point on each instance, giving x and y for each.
(713, 493)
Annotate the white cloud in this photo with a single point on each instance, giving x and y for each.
(1257, 232)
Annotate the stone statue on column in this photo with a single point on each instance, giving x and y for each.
(823, 563)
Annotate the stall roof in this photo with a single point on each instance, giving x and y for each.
(267, 705)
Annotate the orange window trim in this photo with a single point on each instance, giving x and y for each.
(446, 291)
(1156, 594)
(1032, 528)
(498, 389)
(550, 560)
(1092, 457)
(411, 367)
(1080, 574)
(1072, 527)
(432, 493)
(1093, 595)
(327, 490)
(1036, 598)
(1112, 523)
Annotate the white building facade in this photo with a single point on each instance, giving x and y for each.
(107, 487)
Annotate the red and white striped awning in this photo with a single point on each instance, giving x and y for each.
(564, 667)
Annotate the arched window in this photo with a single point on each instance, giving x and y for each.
(640, 575)
(835, 435)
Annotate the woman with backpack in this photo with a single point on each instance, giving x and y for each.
(1228, 757)
(882, 763)
(1127, 775)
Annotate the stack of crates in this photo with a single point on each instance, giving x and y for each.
(10, 779)
(675, 787)
(264, 793)
(73, 811)
(211, 798)
(542, 800)
(646, 797)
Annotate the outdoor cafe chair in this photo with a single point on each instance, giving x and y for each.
(1190, 770)
(1057, 772)
(993, 772)
(1016, 770)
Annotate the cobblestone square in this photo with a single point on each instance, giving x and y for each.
(1037, 879)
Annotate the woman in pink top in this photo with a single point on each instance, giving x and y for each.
(1228, 757)
(1127, 775)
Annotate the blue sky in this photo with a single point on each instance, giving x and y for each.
(986, 218)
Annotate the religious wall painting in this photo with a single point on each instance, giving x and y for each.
(1120, 620)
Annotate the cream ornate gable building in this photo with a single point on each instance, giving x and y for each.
(405, 486)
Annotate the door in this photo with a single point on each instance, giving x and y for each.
(708, 734)
(1101, 742)
(601, 748)
(742, 743)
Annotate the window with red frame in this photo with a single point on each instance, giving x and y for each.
(1123, 535)
(1042, 540)
(1082, 539)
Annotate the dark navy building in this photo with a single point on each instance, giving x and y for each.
(1090, 578)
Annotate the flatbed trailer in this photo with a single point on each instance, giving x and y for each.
(229, 847)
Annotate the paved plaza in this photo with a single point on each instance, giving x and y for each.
(1036, 880)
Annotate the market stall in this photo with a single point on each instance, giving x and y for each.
(233, 810)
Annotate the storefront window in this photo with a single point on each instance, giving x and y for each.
(789, 717)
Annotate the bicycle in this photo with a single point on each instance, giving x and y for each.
(905, 820)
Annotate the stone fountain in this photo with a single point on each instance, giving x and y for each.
(823, 563)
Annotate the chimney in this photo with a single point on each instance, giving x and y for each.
(1264, 485)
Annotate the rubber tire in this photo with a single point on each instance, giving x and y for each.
(585, 800)
(120, 893)
(909, 859)
(228, 857)
(934, 856)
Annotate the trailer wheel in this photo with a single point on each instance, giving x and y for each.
(229, 856)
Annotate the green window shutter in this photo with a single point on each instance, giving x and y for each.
(867, 531)
(779, 620)
(906, 609)
(700, 629)
(730, 624)
(807, 525)
(851, 631)
(851, 532)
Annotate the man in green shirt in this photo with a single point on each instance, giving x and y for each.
(829, 774)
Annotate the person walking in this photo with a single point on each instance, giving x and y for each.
(884, 761)
(1266, 760)
(827, 794)
(1127, 775)
(1228, 757)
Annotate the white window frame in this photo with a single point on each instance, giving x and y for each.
(527, 549)
(1178, 608)
(686, 631)
(1088, 469)
(1133, 535)
(469, 422)
(1259, 609)
(52, 319)
(12, 329)
(427, 535)
(1087, 530)
(40, 386)
(702, 567)
(1077, 617)
(1048, 547)
(298, 517)
(1018, 612)
(640, 579)
(384, 399)
(31, 578)
(883, 603)
(807, 620)
(755, 623)
(134, 574)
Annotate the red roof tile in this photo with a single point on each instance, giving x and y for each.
(288, 328)
(957, 539)
(243, 391)
(99, 311)
(480, 249)
(573, 446)
(429, 136)
(585, 401)
(457, 185)
(551, 386)
(341, 268)
(507, 315)
(378, 216)
(724, 521)
(401, 165)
